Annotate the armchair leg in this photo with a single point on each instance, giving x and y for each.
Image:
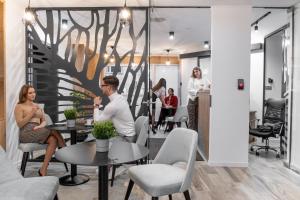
(187, 195)
(113, 175)
(170, 197)
(154, 198)
(130, 186)
(24, 162)
(186, 124)
(56, 197)
(66, 166)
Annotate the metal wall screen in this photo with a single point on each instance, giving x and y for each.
(70, 50)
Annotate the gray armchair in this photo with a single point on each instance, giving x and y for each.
(29, 148)
(164, 177)
(14, 187)
(141, 126)
(181, 115)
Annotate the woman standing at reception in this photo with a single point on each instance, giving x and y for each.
(195, 84)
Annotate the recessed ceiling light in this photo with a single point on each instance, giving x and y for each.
(171, 35)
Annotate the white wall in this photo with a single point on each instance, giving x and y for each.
(186, 67)
(205, 65)
(256, 83)
(295, 156)
(15, 70)
(229, 128)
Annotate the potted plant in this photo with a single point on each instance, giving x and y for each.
(78, 99)
(70, 115)
(103, 131)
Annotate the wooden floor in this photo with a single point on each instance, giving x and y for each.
(265, 179)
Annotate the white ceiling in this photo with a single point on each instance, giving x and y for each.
(95, 3)
(191, 26)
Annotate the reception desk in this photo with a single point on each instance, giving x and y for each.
(203, 122)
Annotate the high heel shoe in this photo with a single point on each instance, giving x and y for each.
(153, 130)
(40, 174)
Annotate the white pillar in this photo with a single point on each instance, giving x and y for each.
(295, 156)
(230, 61)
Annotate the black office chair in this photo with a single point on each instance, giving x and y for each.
(273, 125)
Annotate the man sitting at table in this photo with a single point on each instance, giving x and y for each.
(117, 110)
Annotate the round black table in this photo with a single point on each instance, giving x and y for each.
(85, 154)
(73, 178)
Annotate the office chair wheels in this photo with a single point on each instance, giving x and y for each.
(256, 153)
(251, 149)
(277, 155)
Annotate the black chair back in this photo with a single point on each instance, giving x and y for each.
(275, 111)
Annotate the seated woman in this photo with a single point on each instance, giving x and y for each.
(31, 120)
(171, 103)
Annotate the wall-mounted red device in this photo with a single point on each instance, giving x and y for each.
(241, 84)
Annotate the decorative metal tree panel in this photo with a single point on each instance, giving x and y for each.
(66, 63)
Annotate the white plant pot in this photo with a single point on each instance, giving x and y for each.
(102, 145)
(71, 122)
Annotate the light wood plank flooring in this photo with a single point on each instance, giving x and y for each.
(265, 179)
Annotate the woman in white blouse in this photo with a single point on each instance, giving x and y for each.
(158, 91)
(196, 83)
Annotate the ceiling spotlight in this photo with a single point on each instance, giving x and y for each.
(171, 35)
(206, 45)
(29, 16)
(64, 23)
(256, 28)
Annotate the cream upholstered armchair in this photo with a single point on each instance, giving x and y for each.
(164, 177)
(29, 148)
(141, 126)
(14, 186)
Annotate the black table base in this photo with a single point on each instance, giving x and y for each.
(103, 183)
(69, 180)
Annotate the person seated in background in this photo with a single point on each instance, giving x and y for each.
(117, 110)
(171, 103)
(30, 119)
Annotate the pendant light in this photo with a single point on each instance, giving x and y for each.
(168, 62)
(29, 16)
(124, 15)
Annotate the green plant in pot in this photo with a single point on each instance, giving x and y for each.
(70, 115)
(103, 131)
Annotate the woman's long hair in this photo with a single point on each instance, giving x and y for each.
(193, 74)
(23, 93)
(161, 83)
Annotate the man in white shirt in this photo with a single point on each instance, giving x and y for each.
(117, 110)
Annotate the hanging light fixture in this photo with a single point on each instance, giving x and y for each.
(105, 55)
(29, 16)
(206, 45)
(112, 58)
(124, 15)
(171, 35)
(64, 23)
(256, 28)
(168, 62)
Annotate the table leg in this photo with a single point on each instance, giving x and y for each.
(103, 183)
(74, 178)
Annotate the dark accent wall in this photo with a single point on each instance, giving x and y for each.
(63, 61)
